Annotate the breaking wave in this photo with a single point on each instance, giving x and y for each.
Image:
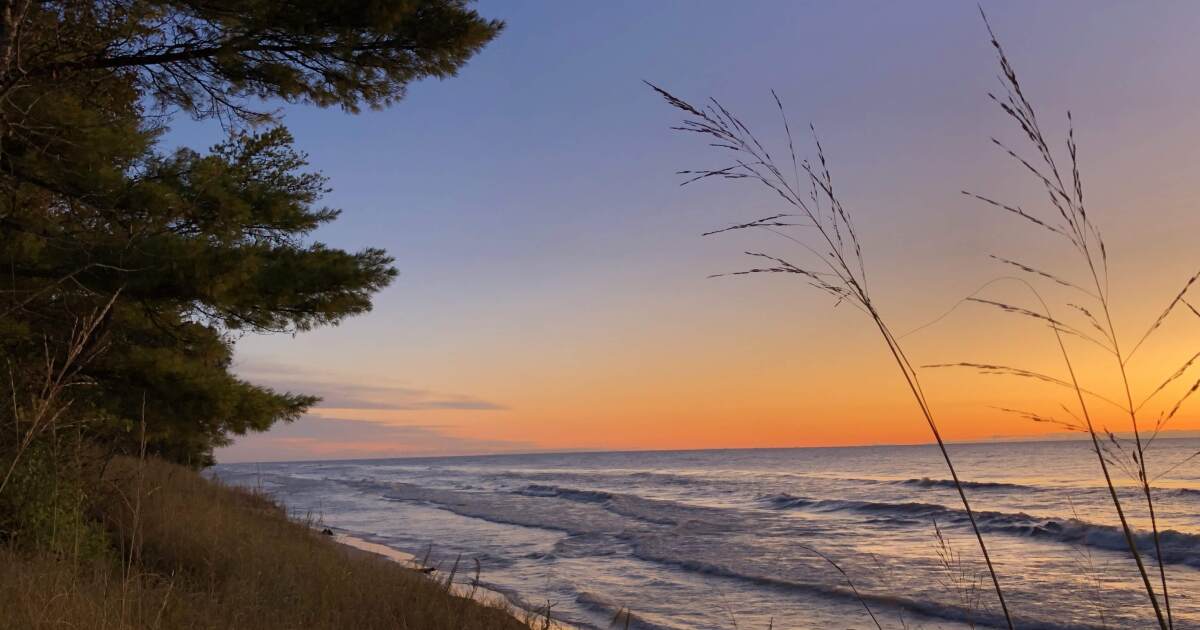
(1177, 547)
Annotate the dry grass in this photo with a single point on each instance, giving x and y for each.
(197, 554)
(831, 258)
(1087, 323)
(831, 261)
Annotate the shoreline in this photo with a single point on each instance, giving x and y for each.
(355, 545)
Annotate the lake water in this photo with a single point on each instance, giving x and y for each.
(718, 539)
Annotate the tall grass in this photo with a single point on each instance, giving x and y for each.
(960, 577)
(38, 405)
(196, 554)
(834, 265)
(1088, 320)
(834, 261)
(42, 453)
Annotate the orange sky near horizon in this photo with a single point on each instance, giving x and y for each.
(791, 391)
(558, 299)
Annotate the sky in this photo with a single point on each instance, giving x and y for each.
(554, 291)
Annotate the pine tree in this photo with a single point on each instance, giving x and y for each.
(167, 257)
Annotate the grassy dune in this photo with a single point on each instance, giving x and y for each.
(187, 552)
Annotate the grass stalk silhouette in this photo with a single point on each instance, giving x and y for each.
(1068, 219)
(839, 269)
(849, 582)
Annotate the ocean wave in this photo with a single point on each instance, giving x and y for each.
(572, 494)
(590, 546)
(569, 510)
(785, 501)
(655, 511)
(938, 610)
(926, 482)
(1177, 547)
(607, 477)
(517, 510)
(608, 608)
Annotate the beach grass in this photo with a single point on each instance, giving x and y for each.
(189, 552)
(830, 260)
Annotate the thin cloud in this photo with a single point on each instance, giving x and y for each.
(342, 394)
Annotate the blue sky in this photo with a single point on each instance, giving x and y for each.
(539, 230)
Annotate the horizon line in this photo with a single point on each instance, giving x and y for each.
(1176, 434)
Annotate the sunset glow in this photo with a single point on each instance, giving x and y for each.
(554, 293)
